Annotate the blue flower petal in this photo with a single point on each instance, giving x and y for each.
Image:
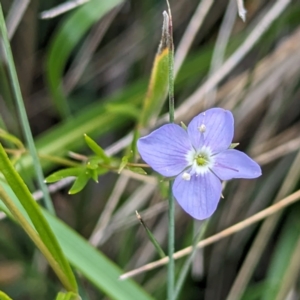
(212, 128)
(235, 164)
(165, 149)
(198, 196)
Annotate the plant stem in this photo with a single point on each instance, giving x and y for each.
(189, 260)
(171, 242)
(171, 236)
(22, 112)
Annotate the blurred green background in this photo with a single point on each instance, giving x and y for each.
(87, 70)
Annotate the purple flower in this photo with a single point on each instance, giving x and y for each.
(199, 158)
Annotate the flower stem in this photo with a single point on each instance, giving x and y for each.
(171, 242)
(171, 236)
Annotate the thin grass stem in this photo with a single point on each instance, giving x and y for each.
(188, 262)
(22, 112)
(171, 235)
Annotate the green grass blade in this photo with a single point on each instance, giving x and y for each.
(159, 81)
(95, 266)
(35, 237)
(151, 237)
(34, 212)
(65, 40)
(3, 296)
(22, 112)
(282, 255)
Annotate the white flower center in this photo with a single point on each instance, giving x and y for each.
(201, 161)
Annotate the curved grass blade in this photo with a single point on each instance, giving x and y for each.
(64, 41)
(159, 81)
(11, 139)
(35, 237)
(34, 212)
(3, 296)
(95, 266)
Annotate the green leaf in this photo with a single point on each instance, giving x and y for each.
(61, 174)
(93, 163)
(67, 296)
(93, 174)
(159, 82)
(11, 138)
(123, 163)
(137, 170)
(96, 149)
(3, 296)
(80, 182)
(34, 212)
(95, 121)
(67, 36)
(90, 262)
(68, 136)
(151, 237)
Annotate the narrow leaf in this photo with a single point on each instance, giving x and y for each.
(90, 262)
(159, 81)
(3, 296)
(11, 138)
(137, 170)
(33, 210)
(123, 163)
(61, 174)
(80, 182)
(151, 237)
(96, 149)
(65, 40)
(67, 296)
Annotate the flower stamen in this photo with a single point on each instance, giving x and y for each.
(202, 128)
(186, 176)
(202, 160)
